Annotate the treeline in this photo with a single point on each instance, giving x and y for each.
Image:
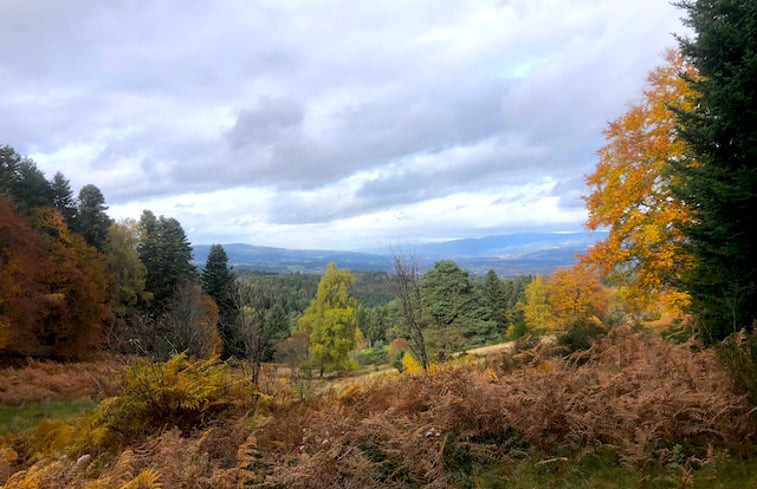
(72, 279)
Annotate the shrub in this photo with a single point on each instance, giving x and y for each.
(181, 392)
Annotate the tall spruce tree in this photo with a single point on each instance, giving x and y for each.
(718, 178)
(91, 221)
(63, 198)
(166, 255)
(218, 282)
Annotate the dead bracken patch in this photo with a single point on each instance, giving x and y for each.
(640, 398)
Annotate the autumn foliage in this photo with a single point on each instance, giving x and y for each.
(631, 192)
(53, 287)
(631, 396)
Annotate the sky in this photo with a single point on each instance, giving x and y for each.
(328, 124)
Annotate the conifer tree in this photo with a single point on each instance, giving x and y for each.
(218, 282)
(718, 177)
(92, 222)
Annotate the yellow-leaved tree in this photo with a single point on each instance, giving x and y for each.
(330, 321)
(536, 310)
(631, 194)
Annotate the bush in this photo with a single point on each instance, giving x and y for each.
(581, 335)
(181, 392)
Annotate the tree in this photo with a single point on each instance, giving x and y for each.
(492, 301)
(166, 254)
(447, 294)
(23, 266)
(63, 198)
(218, 282)
(631, 192)
(125, 268)
(78, 290)
(536, 309)
(575, 295)
(330, 320)
(262, 323)
(91, 220)
(408, 290)
(189, 323)
(23, 182)
(717, 178)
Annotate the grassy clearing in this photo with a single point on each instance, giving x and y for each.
(29, 415)
(727, 472)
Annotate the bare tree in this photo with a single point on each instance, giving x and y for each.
(408, 290)
(262, 320)
(189, 324)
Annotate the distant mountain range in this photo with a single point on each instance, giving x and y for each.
(508, 254)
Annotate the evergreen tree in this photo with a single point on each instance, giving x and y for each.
(718, 179)
(22, 181)
(166, 255)
(492, 301)
(218, 282)
(92, 222)
(330, 321)
(63, 198)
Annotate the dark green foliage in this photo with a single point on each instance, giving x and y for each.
(91, 221)
(261, 324)
(491, 304)
(375, 321)
(63, 198)
(21, 180)
(718, 179)
(580, 336)
(454, 308)
(218, 282)
(166, 255)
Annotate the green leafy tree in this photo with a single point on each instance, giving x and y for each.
(218, 282)
(92, 223)
(330, 321)
(125, 268)
(167, 256)
(718, 178)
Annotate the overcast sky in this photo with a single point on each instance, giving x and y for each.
(327, 124)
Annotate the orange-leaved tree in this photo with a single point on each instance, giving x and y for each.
(575, 295)
(22, 269)
(78, 290)
(631, 194)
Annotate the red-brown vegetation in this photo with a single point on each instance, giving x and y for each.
(635, 397)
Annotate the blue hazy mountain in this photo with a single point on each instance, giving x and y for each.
(508, 254)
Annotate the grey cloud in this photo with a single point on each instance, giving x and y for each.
(272, 119)
(201, 96)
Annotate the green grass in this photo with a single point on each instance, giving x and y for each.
(729, 472)
(27, 416)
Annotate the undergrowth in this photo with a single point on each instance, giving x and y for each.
(630, 410)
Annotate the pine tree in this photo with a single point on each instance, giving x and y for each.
(218, 282)
(91, 221)
(718, 178)
(63, 198)
(166, 255)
